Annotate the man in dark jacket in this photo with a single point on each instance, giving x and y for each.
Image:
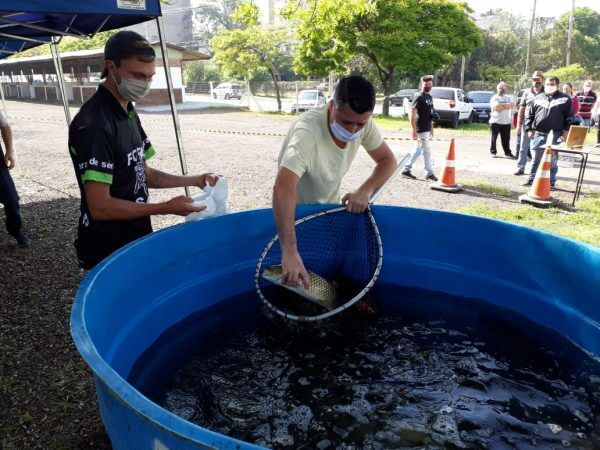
(547, 115)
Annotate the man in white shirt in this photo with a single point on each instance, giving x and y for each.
(316, 154)
(500, 119)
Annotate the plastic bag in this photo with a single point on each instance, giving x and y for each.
(214, 198)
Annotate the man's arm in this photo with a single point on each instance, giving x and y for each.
(103, 206)
(9, 157)
(385, 164)
(157, 179)
(413, 122)
(284, 209)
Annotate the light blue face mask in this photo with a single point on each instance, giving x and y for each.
(344, 135)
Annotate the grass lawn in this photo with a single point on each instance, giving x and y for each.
(583, 224)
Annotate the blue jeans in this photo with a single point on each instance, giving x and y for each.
(538, 148)
(525, 147)
(422, 146)
(586, 122)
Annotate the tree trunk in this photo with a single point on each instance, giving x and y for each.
(276, 85)
(387, 81)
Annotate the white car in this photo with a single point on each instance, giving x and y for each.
(227, 91)
(452, 105)
(308, 99)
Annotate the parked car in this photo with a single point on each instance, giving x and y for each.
(481, 105)
(398, 98)
(308, 99)
(452, 105)
(227, 91)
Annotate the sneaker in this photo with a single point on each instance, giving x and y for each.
(520, 172)
(528, 183)
(407, 173)
(510, 155)
(493, 152)
(22, 240)
(431, 177)
(552, 187)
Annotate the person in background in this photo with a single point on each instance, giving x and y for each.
(587, 99)
(8, 193)
(500, 119)
(568, 89)
(421, 121)
(547, 115)
(537, 81)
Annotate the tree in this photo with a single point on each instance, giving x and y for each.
(570, 74)
(212, 16)
(396, 36)
(551, 43)
(242, 52)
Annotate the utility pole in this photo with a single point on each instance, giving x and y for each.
(570, 35)
(530, 38)
(462, 72)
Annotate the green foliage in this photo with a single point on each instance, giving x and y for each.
(245, 52)
(201, 71)
(551, 43)
(583, 224)
(570, 74)
(496, 74)
(396, 36)
(246, 15)
(70, 44)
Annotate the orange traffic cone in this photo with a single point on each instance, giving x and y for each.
(447, 181)
(539, 194)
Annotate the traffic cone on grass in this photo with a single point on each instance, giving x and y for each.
(447, 182)
(539, 194)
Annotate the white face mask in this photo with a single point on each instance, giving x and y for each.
(550, 89)
(344, 135)
(132, 90)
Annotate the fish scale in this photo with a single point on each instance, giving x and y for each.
(321, 291)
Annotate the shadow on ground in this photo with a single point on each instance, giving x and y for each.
(47, 397)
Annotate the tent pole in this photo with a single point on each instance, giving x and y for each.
(178, 137)
(61, 79)
(3, 102)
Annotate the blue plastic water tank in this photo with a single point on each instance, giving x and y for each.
(125, 303)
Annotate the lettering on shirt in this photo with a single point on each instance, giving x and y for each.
(544, 103)
(136, 155)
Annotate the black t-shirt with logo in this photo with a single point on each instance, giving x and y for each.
(424, 104)
(108, 145)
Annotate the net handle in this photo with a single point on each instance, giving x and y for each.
(391, 177)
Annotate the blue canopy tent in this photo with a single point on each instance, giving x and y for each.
(28, 23)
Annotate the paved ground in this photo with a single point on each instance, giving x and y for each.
(46, 393)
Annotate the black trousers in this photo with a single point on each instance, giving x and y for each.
(9, 198)
(504, 131)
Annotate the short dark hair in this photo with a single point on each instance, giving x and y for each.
(555, 79)
(356, 92)
(127, 44)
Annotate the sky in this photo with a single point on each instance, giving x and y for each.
(544, 8)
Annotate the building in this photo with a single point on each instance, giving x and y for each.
(34, 78)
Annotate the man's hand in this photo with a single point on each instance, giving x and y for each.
(356, 202)
(518, 130)
(9, 159)
(530, 134)
(293, 271)
(415, 136)
(183, 205)
(206, 178)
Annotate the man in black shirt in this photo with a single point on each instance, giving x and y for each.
(548, 113)
(421, 121)
(109, 150)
